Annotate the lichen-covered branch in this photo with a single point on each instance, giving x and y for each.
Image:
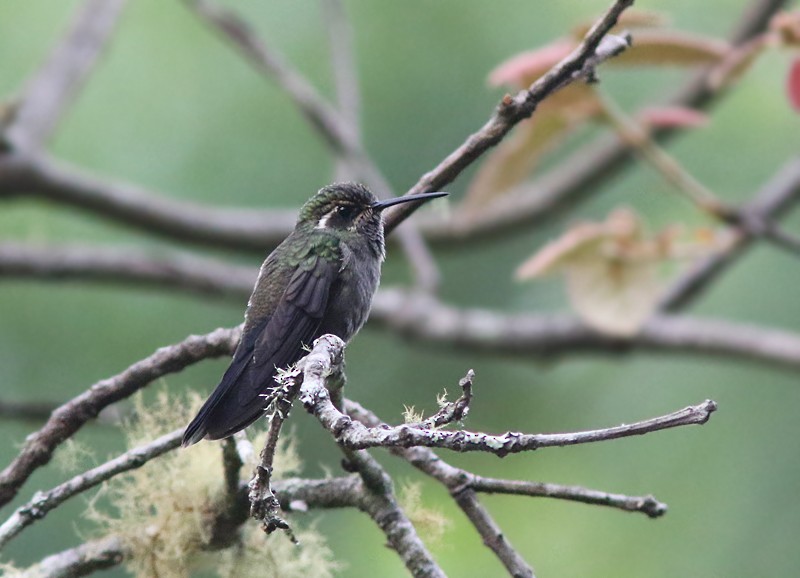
(70, 417)
(43, 502)
(354, 435)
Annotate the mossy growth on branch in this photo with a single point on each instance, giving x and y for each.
(166, 511)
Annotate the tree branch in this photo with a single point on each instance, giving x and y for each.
(511, 110)
(768, 205)
(647, 505)
(52, 89)
(133, 206)
(171, 270)
(531, 335)
(355, 436)
(581, 174)
(70, 417)
(44, 502)
(324, 362)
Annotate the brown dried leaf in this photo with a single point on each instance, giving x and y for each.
(516, 157)
(581, 242)
(793, 84)
(787, 26)
(671, 48)
(615, 297)
(613, 268)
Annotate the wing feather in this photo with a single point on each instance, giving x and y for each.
(276, 342)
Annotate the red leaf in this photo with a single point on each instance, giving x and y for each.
(793, 84)
(673, 116)
(524, 68)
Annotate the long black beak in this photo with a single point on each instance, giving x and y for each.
(380, 205)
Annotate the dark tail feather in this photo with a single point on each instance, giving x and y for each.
(222, 421)
(237, 402)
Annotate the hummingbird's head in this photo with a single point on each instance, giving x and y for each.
(350, 208)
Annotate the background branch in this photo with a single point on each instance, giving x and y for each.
(52, 89)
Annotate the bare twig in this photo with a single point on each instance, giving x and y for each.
(512, 110)
(451, 411)
(774, 199)
(44, 502)
(264, 505)
(55, 85)
(493, 536)
(580, 175)
(646, 504)
(70, 417)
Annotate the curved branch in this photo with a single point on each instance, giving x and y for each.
(44, 502)
(70, 417)
(579, 175)
(511, 110)
(133, 206)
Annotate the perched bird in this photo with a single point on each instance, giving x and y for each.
(319, 280)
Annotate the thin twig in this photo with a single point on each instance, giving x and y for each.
(264, 504)
(579, 176)
(768, 205)
(512, 110)
(53, 88)
(645, 504)
(70, 417)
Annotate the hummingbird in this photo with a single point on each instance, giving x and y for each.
(319, 280)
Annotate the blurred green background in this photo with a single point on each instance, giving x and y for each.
(175, 110)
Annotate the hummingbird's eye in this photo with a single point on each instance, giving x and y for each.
(346, 212)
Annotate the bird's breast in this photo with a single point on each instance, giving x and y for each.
(351, 295)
